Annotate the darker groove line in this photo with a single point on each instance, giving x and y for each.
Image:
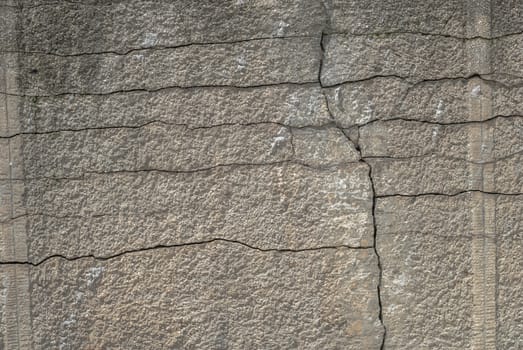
(159, 48)
(170, 87)
(184, 125)
(416, 81)
(180, 245)
(240, 124)
(443, 156)
(455, 194)
(421, 33)
(464, 122)
(86, 174)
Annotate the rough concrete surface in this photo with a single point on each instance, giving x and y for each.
(261, 174)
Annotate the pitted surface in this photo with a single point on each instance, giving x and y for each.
(305, 174)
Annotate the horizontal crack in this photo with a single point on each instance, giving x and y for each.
(414, 81)
(464, 122)
(247, 124)
(167, 246)
(162, 122)
(417, 81)
(79, 217)
(182, 87)
(160, 48)
(22, 6)
(455, 194)
(421, 33)
(329, 167)
(444, 156)
(434, 233)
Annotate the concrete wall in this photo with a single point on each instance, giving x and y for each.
(261, 174)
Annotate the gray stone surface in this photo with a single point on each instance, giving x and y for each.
(505, 55)
(404, 139)
(260, 174)
(509, 244)
(427, 248)
(416, 57)
(364, 17)
(353, 58)
(214, 296)
(449, 18)
(507, 16)
(320, 147)
(8, 33)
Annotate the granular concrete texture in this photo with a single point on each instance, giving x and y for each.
(260, 174)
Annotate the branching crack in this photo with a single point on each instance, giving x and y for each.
(179, 245)
(373, 211)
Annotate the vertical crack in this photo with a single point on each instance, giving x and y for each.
(380, 267)
(373, 189)
(375, 229)
(320, 68)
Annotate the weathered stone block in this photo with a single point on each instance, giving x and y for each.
(119, 26)
(217, 295)
(426, 290)
(430, 174)
(12, 199)
(9, 16)
(155, 146)
(444, 101)
(325, 146)
(364, 17)
(419, 57)
(506, 57)
(509, 267)
(293, 105)
(428, 158)
(449, 276)
(403, 139)
(258, 62)
(166, 147)
(278, 206)
(507, 16)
